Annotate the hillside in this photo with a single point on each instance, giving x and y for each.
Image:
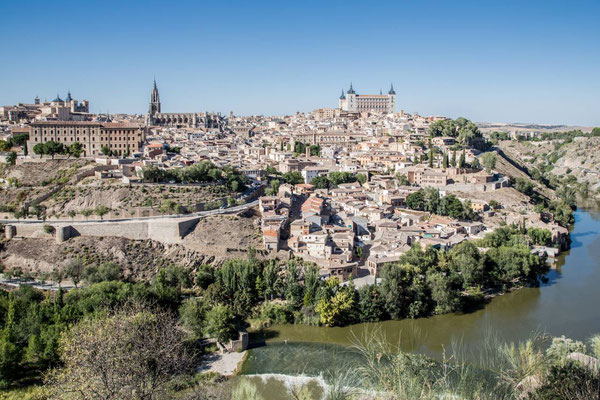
(213, 241)
(573, 161)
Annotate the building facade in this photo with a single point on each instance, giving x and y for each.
(121, 139)
(352, 102)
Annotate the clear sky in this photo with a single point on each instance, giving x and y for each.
(510, 61)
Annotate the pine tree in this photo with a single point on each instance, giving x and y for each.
(453, 161)
(445, 161)
(431, 158)
(461, 161)
(9, 351)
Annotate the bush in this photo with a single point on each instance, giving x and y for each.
(270, 313)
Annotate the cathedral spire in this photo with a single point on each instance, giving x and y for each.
(154, 100)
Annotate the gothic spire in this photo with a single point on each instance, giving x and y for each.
(351, 90)
(391, 89)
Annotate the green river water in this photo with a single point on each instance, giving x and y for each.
(568, 304)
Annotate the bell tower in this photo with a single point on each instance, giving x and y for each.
(154, 101)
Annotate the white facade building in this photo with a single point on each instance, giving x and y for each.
(352, 102)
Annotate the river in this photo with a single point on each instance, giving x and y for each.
(568, 304)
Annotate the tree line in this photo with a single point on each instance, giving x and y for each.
(202, 172)
(52, 148)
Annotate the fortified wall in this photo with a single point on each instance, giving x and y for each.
(166, 230)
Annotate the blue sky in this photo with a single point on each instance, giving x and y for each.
(511, 61)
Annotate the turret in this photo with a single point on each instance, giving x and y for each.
(351, 90)
(392, 89)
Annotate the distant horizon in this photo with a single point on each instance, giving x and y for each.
(510, 61)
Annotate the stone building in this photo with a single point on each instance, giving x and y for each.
(352, 102)
(121, 139)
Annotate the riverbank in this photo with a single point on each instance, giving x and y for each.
(563, 305)
(225, 364)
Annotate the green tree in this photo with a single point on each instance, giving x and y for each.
(451, 206)
(337, 178)
(5, 145)
(462, 161)
(315, 150)
(445, 161)
(11, 159)
(396, 282)
(416, 200)
(271, 171)
(299, 148)
(86, 213)
(445, 292)
(107, 271)
(430, 157)
(453, 160)
(10, 353)
(101, 211)
(340, 309)
(74, 270)
(524, 186)
(489, 161)
(445, 127)
(292, 288)
(466, 260)
(106, 150)
(39, 149)
(273, 188)
(293, 178)
(75, 150)
(311, 285)
(321, 182)
(193, 316)
(361, 178)
(221, 323)
(402, 180)
(205, 276)
(431, 199)
(169, 282)
(53, 148)
(371, 304)
(21, 140)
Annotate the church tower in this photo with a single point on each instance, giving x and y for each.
(154, 102)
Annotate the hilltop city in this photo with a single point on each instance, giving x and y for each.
(348, 188)
(192, 237)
